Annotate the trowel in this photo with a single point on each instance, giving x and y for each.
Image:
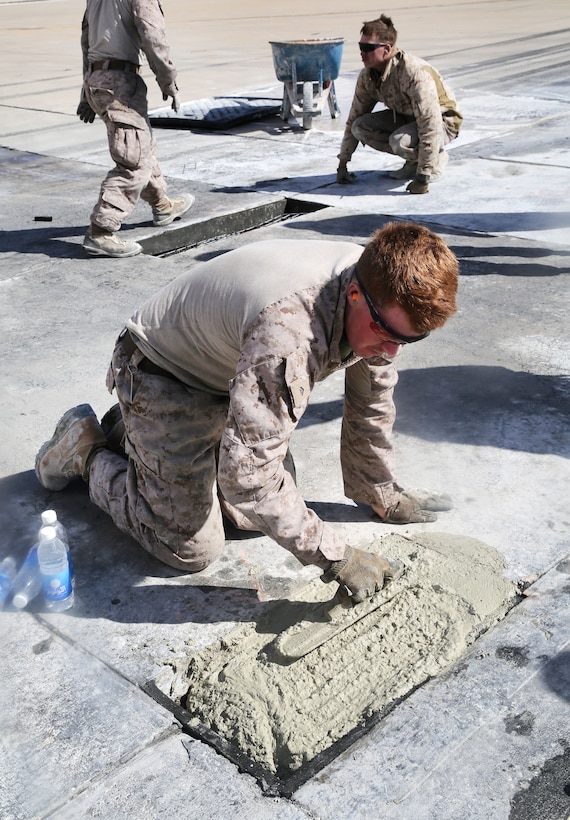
(331, 618)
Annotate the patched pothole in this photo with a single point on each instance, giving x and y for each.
(282, 697)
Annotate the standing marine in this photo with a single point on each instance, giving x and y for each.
(113, 35)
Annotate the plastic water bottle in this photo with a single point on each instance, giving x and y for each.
(54, 567)
(28, 582)
(50, 519)
(7, 575)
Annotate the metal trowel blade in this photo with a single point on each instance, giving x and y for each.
(301, 638)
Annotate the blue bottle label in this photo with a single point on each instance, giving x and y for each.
(31, 559)
(71, 570)
(57, 587)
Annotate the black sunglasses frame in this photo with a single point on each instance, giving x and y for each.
(368, 47)
(379, 322)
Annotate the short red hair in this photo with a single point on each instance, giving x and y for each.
(409, 265)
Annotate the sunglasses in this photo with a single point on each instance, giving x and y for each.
(380, 323)
(367, 47)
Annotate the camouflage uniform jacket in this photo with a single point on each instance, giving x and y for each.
(412, 88)
(263, 324)
(121, 29)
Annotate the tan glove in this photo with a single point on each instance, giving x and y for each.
(343, 175)
(415, 507)
(361, 573)
(419, 184)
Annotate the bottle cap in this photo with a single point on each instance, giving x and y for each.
(48, 534)
(49, 517)
(19, 600)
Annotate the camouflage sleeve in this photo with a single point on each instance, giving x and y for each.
(149, 21)
(427, 113)
(85, 45)
(266, 403)
(362, 103)
(367, 455)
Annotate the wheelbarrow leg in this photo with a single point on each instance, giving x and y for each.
(286, 104)
(307, 105)
(333, 103)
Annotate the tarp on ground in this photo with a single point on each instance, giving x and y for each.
(214, 113)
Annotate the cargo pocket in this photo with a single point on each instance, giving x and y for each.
(298, 383)
(130, 142)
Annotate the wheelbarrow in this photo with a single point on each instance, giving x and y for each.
(308, 69)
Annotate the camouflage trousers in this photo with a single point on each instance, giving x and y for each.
(394, 134)
(165, 493)
(120, 99)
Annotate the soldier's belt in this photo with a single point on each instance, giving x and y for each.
(129, 346)
(115, 65)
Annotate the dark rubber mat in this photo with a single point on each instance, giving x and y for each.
(213, 113)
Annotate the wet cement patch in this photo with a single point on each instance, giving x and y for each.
(284, 714)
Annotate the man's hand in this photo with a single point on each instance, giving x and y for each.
(85, 112)
(361, 573)
(415, 507)
(175, 100)
(419, 184)
(343, 175)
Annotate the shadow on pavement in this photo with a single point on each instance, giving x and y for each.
(480, 406)
(556, 675)
(117, 580)
(487, 407)
(54, 242)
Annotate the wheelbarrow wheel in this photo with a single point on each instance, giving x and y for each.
(307, 105)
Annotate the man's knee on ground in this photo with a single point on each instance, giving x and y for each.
(191, 555)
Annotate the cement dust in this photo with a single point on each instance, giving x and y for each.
(282, 715)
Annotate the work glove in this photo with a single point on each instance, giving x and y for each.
(175, 100)
(85, 112)
(343, 175)
(419, 184)
(359, 573)
(416, 507)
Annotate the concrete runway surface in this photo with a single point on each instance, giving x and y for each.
(89, 722)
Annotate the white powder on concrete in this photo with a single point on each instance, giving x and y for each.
(284, 714)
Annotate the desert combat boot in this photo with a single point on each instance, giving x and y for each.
(410, 167)
(100, 242)
(167, 210)
(407, 171)
(69, 452)
(440, 167)
(113, 426)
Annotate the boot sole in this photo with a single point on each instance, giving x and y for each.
(100, 252)
(76, 413)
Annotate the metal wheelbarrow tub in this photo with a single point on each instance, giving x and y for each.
(308, 69)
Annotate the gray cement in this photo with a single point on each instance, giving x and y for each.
(281, 705)
(482, 414)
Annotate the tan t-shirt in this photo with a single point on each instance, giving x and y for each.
(195, 327)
